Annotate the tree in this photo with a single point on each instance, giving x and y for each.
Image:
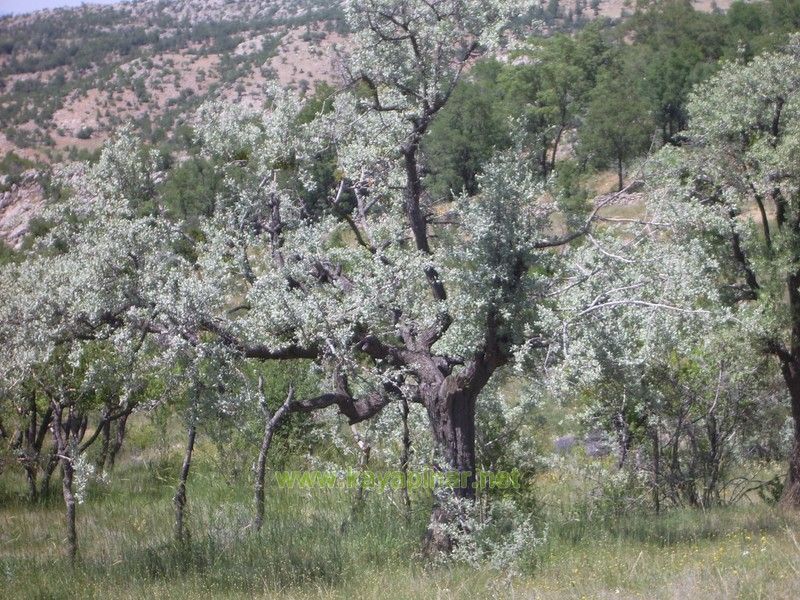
(465, 134)
(735, 186)
(618, 127)
(387, 299)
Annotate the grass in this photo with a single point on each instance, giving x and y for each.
(314, 545)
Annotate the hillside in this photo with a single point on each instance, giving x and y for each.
(69, 77)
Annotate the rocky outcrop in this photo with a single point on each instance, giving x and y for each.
(19, 203)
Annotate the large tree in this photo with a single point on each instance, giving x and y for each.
(325, 245)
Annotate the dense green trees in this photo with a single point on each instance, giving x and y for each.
(618, 126)
(608, 87)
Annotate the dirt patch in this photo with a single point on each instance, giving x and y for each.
(311, 60)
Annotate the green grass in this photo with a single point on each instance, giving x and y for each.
(314, 545)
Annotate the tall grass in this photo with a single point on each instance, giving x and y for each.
(318, 544)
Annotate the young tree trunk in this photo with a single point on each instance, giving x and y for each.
(260, 475)
(69, 503)
(791, 489)
(179, 500)
(105, 441)
(405, 453)
(556, 142)
(271, 423)
(30, 477)
(29, 445)
(656, 469)
(50, 467)
(623, 438)
(620, 181)
(61, 438)
(363, 461)
(116, 446)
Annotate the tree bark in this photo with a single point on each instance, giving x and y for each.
(363, 461)
(790, 368)
(790, 498)
(105, 441)
(272, 422)
(452, 418)
(260, 475)
(656, 469)
(69, 503)
(623, 438)
(50, 467)
(116, 446)
(179, 499)
(61, 435)
(405, 453)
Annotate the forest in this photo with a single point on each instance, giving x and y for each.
(511, 309)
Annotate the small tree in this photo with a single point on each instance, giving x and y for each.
(618, 127)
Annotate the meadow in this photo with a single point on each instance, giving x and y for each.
(325, 544)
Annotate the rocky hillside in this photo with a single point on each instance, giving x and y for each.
(69, 77)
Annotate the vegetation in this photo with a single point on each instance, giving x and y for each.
(422, 270)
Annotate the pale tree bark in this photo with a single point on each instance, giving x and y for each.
(64, 449)
(179, 500)
(271, 423)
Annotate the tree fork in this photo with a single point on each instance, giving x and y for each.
(271, 423)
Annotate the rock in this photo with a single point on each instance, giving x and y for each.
(596, 444)
(565, 444)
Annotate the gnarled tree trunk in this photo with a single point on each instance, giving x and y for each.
(452, 416)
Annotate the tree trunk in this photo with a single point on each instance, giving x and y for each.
(556, 142)
(260, 475)
(791, 489)
(620, 181)
(119, 437)
(452, 418)
(61, 438)
(180, 494)
(105, 441)
(50, 467)
(623, 438)
(363, 461)
(69, 503)
(271, 423)
(30, 476)
(405, 453)
(656, 469)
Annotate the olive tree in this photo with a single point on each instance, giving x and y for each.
(325, 245)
